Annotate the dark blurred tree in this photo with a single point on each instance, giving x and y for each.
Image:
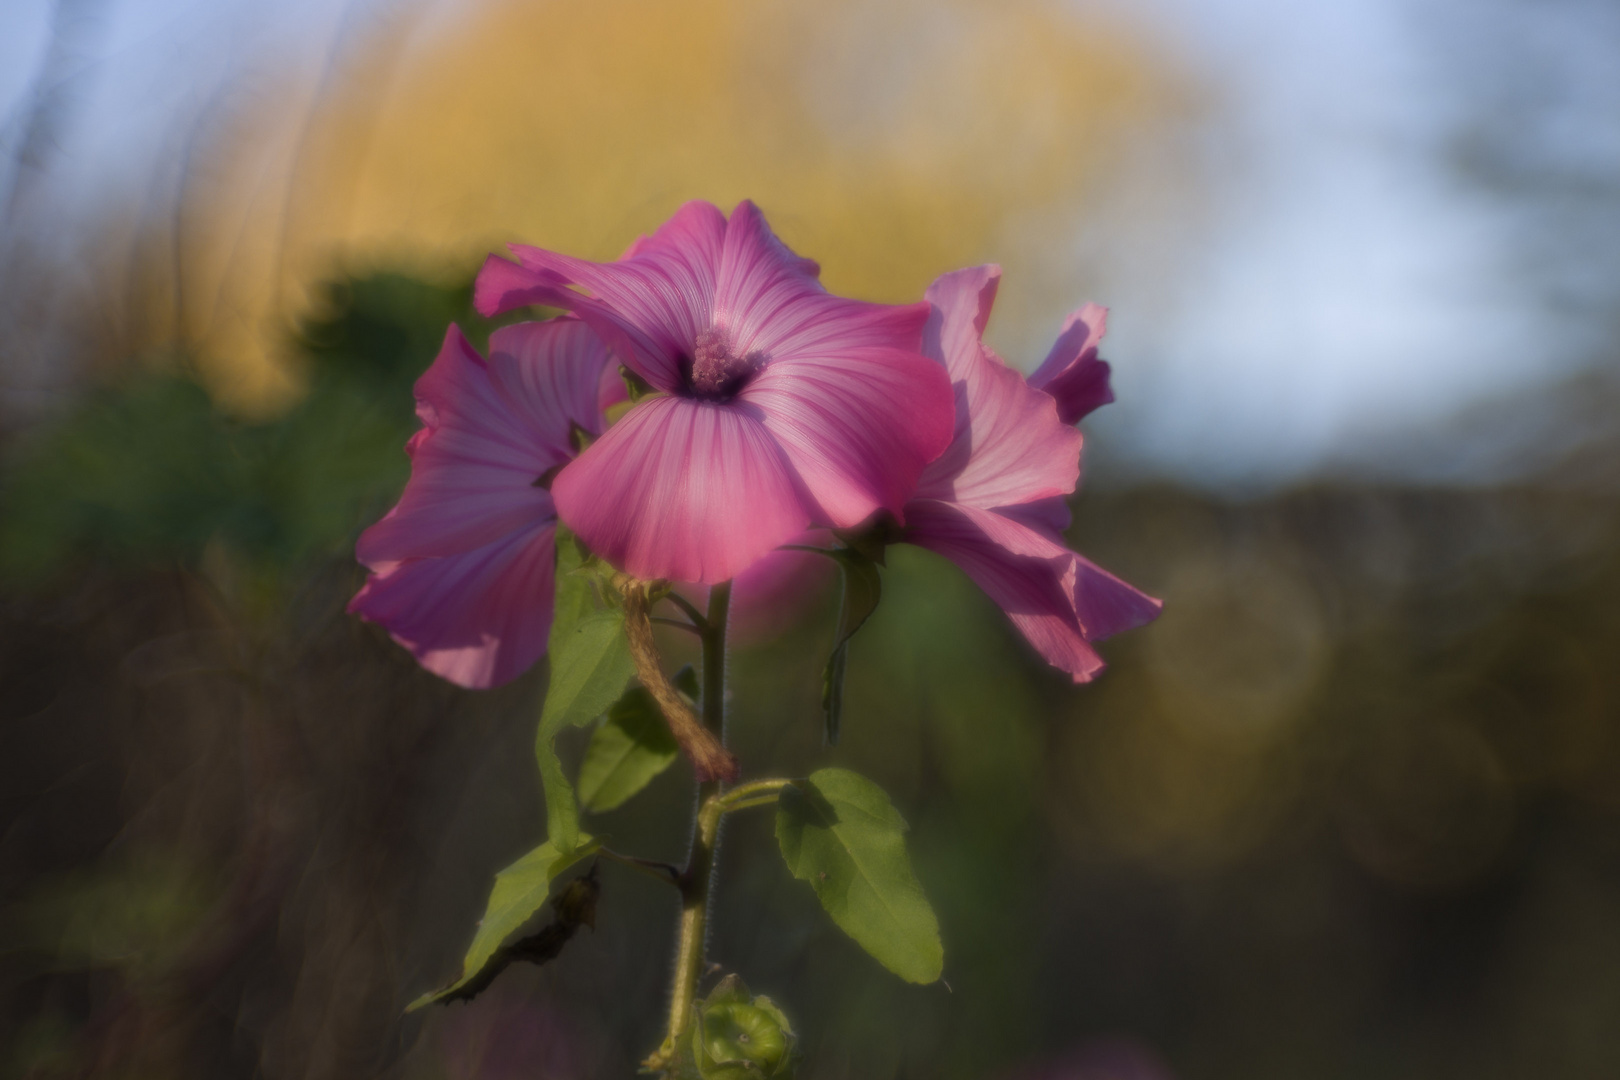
(150, 471)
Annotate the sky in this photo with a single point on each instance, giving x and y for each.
(1346, 289)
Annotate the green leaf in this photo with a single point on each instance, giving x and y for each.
(863, 588)
(520, 891)
(590, 665)
(632, 746)
(576, 595)
(839, 832)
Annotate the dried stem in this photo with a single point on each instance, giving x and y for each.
(710, 759)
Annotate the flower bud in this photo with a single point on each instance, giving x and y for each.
(736, 1036)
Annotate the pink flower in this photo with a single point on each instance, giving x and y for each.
(462, 567)
(1071, 372)
(993, 503)
(778, 405)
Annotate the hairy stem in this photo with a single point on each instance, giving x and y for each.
(697, 878)
(700, 740)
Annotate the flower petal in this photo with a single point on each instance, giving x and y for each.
(959, 310)
(1071, 372)
(1058, 599)
(858, 425)
(650, 305)
(1009, 445)
(1035, 591)
(473, 465)
(682, 489)
(479, 618)
(551, 373)
(1105, 605)
(761, 283)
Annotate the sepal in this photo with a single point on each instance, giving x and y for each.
(737, 1036)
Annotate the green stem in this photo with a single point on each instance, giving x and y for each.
(753, 793)
(696, 880)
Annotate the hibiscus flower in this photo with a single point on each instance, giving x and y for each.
(994, 503)
(771, 404)
(463, 566)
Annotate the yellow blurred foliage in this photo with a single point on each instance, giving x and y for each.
(890, 141)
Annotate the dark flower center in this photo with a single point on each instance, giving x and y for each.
(716, 371)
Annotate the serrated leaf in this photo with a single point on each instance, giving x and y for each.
(590, 665)
(520, 890)
(632, 746)
(862, 589)
(839, 832)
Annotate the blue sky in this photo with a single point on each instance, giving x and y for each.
(1346, 289)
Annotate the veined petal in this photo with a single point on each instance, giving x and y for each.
(760, 282)
(1007, 533)
(818, 325)
(682, 489)
(768, 300)
(473, 465)
(959, 310)
(1009, 446)
(610, 389)
(551, 374)
(1104, 604)
(505, 286)
(479, 618)
(1071, 372)
(858, 426)
(657, 299)
(1034, 590)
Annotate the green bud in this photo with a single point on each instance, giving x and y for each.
(737, 1036)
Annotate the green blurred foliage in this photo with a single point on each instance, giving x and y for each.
(1348, 809)
(150, 471)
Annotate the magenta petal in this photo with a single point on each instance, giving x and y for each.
(682, 489)
(656, 300)
(1049, 516)
(504, 286)
(1009, 446)
(551, 374)
(473, 465)
(1034, 590)
(1071, 372)
(1105, 605)
(823, 324)
(858, 428)
(959, 310)
(765, 292)
(479, 618)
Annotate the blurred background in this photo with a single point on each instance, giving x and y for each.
(1350, 808)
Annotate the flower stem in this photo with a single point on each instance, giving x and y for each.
(753, 793)
(696, 880)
